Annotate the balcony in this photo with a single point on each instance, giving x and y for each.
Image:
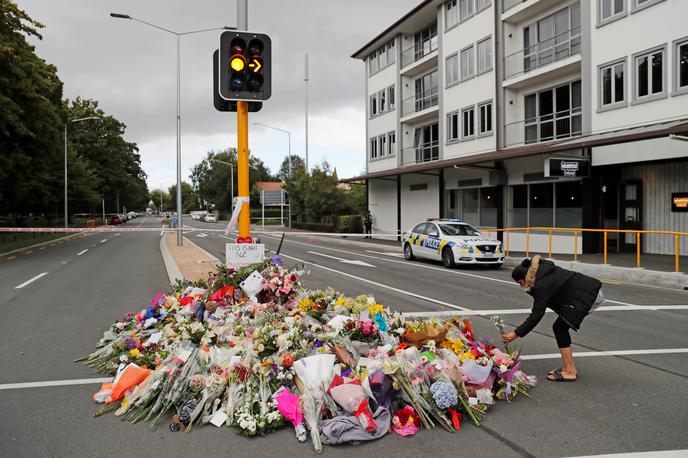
(415, 60)
(553, 126)
(425, 152)
(556, 54)
(518, 11)
(419, 104)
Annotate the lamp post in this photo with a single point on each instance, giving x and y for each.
(288, 157)
(178, 35)
(66, 206)
(231, 184)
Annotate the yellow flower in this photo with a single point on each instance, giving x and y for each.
(341, 301)
(134, 352)
(467, 355)
(374, 309)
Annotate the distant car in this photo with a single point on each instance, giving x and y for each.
(114, 220)
(452, 242)
(210, 219)
(132, 215)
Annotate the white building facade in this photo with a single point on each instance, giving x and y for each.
(532, 114)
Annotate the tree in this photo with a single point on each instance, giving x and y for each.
(158, 196)
(297, 163)
(188, 198)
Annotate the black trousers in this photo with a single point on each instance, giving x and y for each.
(561, 333)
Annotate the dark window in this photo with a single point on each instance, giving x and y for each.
(518, 210)
(657, 68)
(541, 205)
(569, 211)
(488, 207)
(683, 65)
(470, 206)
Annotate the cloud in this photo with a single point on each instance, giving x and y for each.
(131, 69)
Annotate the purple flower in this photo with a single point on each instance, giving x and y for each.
(158, 300)
(130, 343)
(277, 260)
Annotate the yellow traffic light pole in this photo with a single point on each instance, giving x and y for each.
(242, 172)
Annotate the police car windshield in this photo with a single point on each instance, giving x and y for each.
(458, 229)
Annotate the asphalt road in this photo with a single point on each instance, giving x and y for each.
(628, 403)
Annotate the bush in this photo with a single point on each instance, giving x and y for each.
(315, 227)
(350, 224)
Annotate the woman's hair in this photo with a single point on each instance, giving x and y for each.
(520, 271)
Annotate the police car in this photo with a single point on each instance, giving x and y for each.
(453, 242)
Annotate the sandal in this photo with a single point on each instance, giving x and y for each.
(559, 377)
(559, 369)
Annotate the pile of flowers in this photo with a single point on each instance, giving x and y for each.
(334, 367)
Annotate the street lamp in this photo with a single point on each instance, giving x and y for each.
(231, 184)
(66, 209)
(289, 156)
(179, 119)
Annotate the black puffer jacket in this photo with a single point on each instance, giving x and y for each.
(569, 294)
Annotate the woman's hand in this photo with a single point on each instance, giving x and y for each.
(509, 337)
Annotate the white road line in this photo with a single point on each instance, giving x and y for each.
(82, 381)
(325, 255)
(381, 285)
(345, 261)
(396, 255)
(612, 308)
(27, 282)
(118, 234)
(582, 354)
(103, 241)
(406, 263)
(82, 252)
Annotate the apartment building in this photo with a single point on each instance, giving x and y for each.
(532, 113)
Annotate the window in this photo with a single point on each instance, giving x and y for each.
(390, 52)
(470, 205)
(373, 148)
(392, 143)
(390, 98)
(372, 63)
(612, 85)
(468, 123)
(466, 7)
(488, 207)
(467, 63)
(541, 205)
(642, 4)
(381, 96)
(373, 105)
(452, 69)
(381, 58)
(610, 10)
(569, 204)
(681, 66)
(453, 127)
(517, 209)
(482, 5)
(552, 38)
(426, 143)
(484, 55)
(553, 113)
(425, 42)
(485, 119)
(649, 75)
(451, 14)
(382, 145)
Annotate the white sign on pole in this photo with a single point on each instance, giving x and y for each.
(243, 254)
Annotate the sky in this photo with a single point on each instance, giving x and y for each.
(130, 68)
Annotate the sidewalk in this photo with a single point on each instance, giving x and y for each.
(188, 261)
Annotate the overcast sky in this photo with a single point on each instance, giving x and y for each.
(130, 68)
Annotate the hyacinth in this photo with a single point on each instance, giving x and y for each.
(130, 343)
(444, 394)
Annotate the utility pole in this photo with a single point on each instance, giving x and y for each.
(305, 78)
(104, 212)
(242, 141)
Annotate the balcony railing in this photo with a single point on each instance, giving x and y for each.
(508, 4)
(553, 49)
(413, 54)
(425, 152)
(554, 126)
(420, 101)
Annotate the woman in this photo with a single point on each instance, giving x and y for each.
(571, 295)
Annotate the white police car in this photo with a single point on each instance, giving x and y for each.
(452, 242)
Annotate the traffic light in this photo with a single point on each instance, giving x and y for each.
(245, 66)
(220, 103)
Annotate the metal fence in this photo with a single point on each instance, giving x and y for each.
(553, 126)
(548, 51)
(422, 153)
(415, 53)
(420, 101)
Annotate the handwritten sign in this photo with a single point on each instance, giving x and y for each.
(243, 254)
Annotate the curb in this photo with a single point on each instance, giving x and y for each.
(38, 245)
(676, 280)
(173, 272)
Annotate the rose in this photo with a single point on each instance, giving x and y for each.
(287, 360)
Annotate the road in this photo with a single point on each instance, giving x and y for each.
(621, 403)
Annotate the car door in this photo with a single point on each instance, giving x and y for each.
(417, 239)
(432, 241)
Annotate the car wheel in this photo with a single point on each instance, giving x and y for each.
(408, 253)
(448, 257)
(495, 266)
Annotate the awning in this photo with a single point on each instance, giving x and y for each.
(626, 135)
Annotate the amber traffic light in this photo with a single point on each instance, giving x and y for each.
(244, 66)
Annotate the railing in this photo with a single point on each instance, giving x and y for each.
(578, 232)
(414, 54)
(422, 153)
(508, 4)
(420, 101)
(548, 51)
(553, 126)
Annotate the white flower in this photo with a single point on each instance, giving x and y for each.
(503, 368)
(124, 358)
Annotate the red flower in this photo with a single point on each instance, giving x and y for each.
(288, 360)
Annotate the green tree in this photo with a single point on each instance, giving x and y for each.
(189, 201)
(297, 163)
(31, 119)
(160, 195)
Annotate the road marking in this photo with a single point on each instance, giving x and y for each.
(617, 308)
(396, 255)
(381, 285)
(582, 354)
(346, 261)
(81, 381)
(42, 248)
(11, 258)
(118, 234)
(82, 252)
(28, 282)
(202, 235)
(28, 252)
(103, 241)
